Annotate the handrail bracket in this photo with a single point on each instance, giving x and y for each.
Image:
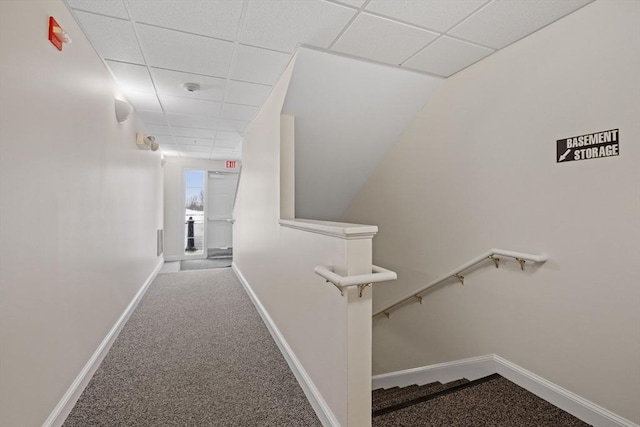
(362, 287)
(459, 277)
(522, 262)
(495, 260)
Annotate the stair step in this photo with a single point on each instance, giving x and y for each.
(448, 390)
(381, 391)
(410, 393)
(390, 393)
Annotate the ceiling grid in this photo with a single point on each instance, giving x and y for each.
(235, 51)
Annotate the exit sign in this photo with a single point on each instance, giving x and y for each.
(230, 164)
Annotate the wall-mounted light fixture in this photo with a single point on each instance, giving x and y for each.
(123, 110)
(146, 142)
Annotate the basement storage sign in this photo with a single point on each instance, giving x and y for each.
(590, 146)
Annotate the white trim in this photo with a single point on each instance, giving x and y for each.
(478, 367)
(68, 401)
(171, 258)
(341, 230)
(320, 406)
(570, 402)
(471, 369)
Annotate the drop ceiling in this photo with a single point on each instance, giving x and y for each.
(235, 50)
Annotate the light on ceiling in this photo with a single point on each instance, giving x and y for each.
(123, 110)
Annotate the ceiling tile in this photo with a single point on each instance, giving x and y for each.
(185, 52)
(257, 65)
(113, 8)
(164, 140)
(181, 105)
(503, 22)
(353, 3)
(172, 83)
(382, 40)
(158, 130)
(169, 151)
(214, 18)
(438, 15)
(247, 93)
(185, 121)
(233, 137)
(194, 141)
(194, 147)
(232, 125)
(225, 156)
(446, 56)
(144, 101)
(112, 38)
(238, 112)
(283, 24)
(152, 117)
(226, 144)
(222, 150)
(131, 77)
(193, 132)
(195, 154)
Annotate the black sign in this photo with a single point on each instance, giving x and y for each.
(590, 146)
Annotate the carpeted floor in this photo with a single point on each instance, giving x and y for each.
(496, 403)
(194, 353)
(204, 264)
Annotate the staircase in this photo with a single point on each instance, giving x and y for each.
(488, 401)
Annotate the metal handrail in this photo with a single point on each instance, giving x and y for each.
(378, 274)
(521, 257)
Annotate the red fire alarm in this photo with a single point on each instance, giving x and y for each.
(57, 36)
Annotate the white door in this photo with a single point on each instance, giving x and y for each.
(221, 194)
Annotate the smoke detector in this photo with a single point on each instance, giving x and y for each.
(191, 87)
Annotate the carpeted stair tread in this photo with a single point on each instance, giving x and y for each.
(381, 391)
(392, 392)
(414, 393)
(495, 402)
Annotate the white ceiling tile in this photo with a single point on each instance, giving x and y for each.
(164, 140)
(238, 112)
(214, 18)
(113, 38)
(194, 148)
(446, 56)
(438, 15)
(181, 105)
(194, 141)
(283, 24)
(247, 93)
(226, 144)
(195, 154)
(131, 77)
(353, 3)
(382, 40)
(222, 150)
(152, 117)
(158, 130)
(185, 52)
(232, 137)
(193, 132)
(225, 156)
(172, 83)
(257, 65)
(186, 121)
(232, 125)
(169, 151)
(144, 101)
(113, 8)
(502, 22)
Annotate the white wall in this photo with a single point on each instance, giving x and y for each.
(173, 171)
(477, 170)
(80, 205)
(328, 334)
(348, 113)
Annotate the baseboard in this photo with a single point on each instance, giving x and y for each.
(320, 406)
(478, 367)
(171, 258)
(471, 369)
(570, 402)
(66, 404)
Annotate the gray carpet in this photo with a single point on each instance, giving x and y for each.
(496, 403)
(204, 264)
(194, 353)
(219, 253)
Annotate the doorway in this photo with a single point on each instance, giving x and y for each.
(220, 200)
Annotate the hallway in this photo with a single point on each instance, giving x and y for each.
(194, 353)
